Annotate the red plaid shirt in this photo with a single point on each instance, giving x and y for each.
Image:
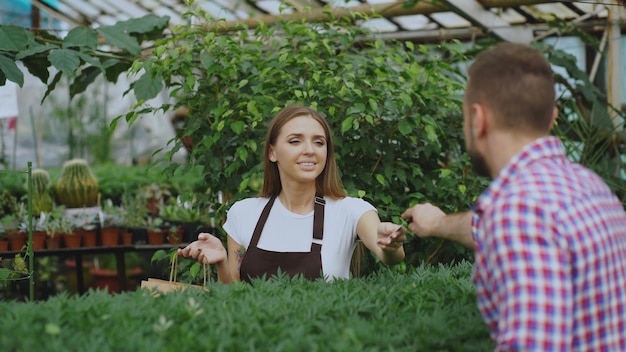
(550, 269)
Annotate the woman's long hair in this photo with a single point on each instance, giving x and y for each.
(327, 183)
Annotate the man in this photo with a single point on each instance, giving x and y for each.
(549, 235)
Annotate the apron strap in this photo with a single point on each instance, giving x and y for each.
(261, 223)
(318, 217)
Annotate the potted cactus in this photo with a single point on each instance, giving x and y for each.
(77, 187)
(41, 196)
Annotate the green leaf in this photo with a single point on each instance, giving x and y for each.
(10, 71)
(252, 109)
(242, 153)
(66, 60)
(237, 127)
(357, 109)
(381, 179)
(346, 124)
(373, 104)
(38, 67)
(148, 24)
(81, 37)
(34, 50)
(86, 77)
(194, 270)
(52, 85)
(113, 69)
(93, 61)
(13, 38)
(120, 39)
(431, 134)
(159, 254)
(404, 127)
(147, 87)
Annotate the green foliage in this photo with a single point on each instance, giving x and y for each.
(428, 309)
(135, 214)
(8, 204)
(394, 108)
(117, 180)
(14, 184)
(79, 51)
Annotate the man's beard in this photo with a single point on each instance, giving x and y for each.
(478, 163)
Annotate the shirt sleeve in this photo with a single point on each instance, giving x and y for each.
(232, 222)
(358, 207)
(530, 282)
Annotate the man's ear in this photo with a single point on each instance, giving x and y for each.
(479, 121)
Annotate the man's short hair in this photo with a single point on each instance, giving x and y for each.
(515, 82)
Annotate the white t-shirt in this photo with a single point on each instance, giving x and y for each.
(285, 231)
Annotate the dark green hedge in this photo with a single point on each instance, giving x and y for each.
(428, 309)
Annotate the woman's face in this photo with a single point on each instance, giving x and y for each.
(300, 150)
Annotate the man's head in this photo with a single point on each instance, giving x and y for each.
(511, 86)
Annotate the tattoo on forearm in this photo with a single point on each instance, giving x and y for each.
(239, 254)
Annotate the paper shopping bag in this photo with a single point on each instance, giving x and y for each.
(159, 286)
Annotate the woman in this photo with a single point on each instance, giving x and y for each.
(303, 223)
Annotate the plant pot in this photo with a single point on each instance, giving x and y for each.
(127, 238)
(17, 241)
(109, 236)
(155, 237)
(39, 240)
(175, 237)
(90, 238)
(53, 242)
(72, 240)
(4, 245)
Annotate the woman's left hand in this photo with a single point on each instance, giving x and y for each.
(390, 236)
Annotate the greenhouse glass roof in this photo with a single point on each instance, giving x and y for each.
(420, 21)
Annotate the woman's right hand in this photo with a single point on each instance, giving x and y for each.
(208, 249)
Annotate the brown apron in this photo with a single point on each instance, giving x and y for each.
(259, 263)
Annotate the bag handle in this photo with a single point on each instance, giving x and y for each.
(174, 271)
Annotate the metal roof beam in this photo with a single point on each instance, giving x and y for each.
(614, 61)
(472, 33)
(389, 9)
(54, 13)
(489, 21)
